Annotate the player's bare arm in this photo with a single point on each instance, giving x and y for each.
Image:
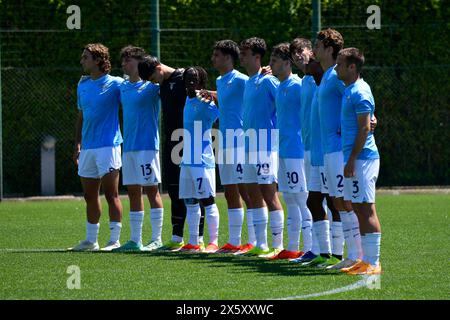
(77, 147)
(364, 126)
(373, 123)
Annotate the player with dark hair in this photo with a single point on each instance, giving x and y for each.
(198, 176)
(97, 144)
(361, 158)
(291, 173)
(301, 54)
(172, 91)
(328, 44)
(260, 170)
(229, 95)
(141, 168)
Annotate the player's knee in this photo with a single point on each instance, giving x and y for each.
(134, 194)
(152, 192)
(348, 206)
(112, 197)
(90, 197)
(190, 201)
(330, 204)
(289, 198)
(207, 202)
(173, 191)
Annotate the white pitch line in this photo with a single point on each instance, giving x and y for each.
(32, 250)
(354, 286)
(359, 284)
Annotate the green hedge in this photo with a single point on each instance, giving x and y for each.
(407, 67)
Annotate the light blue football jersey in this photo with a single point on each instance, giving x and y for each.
(316, 139)
(289, 124)
(260, 111)
(198, 118)
(140, 104)
(99, 101)
(308, 88)
(230, 94)
(357, 100)
(330, 91)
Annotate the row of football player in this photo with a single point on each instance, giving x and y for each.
(335, 153)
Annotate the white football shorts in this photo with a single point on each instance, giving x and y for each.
(141, 168)
(95, 163)
(361, 187)
(197, 182)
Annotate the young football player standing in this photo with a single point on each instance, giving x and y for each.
(301, 51)
(230, 90)
(141, 169)
(172, 92)
(260, 170)
(328, 44)
(97, 144)
(291, 175)
(361, 158)
(198, 177)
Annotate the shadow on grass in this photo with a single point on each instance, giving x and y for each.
(239, 263)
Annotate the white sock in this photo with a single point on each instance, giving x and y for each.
(294, 221)
(330, 220)
(338, 238)
(260, 218)
(371, 243)
(115, 228)
(136, 221)
(315, 241)
(177, 238)
(156, 219)
(348, 236)
(193, 221)
(212, 218)
(323, 235)
(306, 219)
(251, 227)
(356, 234)
(92, 232)
(235, 221)
(277, 226)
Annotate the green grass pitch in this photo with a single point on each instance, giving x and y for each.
(415, 249)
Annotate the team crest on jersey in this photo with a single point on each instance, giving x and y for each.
(171, 84)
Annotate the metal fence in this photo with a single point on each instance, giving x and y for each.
(40, 70)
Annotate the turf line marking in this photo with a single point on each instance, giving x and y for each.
(359, 284)
(31, 250)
